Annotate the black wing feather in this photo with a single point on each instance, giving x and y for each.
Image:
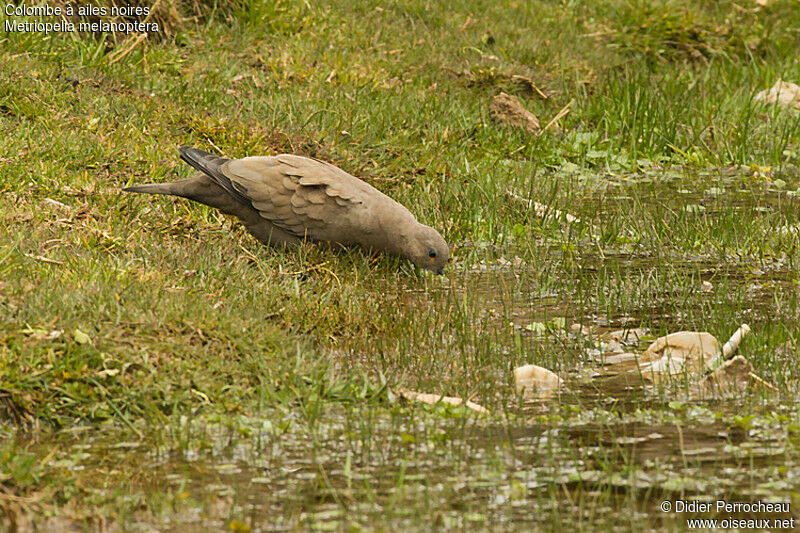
(210, 164)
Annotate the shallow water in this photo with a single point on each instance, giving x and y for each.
(604, 454)
(577, 458)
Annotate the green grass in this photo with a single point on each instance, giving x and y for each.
(159, 322)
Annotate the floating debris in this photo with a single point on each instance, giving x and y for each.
(689, 352)
(732, 346)
(433, 399)
(684, 352)
(543, 210)
(619, 358)
(536, 382)
(783, 93)
(732, 376)
(710, 367)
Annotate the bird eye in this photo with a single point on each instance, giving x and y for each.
(431, 253)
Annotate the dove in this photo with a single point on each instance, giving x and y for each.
(286, 199)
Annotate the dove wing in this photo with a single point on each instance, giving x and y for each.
(305, 197)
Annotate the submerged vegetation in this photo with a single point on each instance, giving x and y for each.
(159, 368)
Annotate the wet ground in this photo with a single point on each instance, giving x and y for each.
(603, 454)
(605, 463)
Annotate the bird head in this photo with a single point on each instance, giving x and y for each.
(429, 250)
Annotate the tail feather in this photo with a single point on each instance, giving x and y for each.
(151, 188)
(203, 189)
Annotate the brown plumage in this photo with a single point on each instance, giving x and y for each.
(284, 199)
